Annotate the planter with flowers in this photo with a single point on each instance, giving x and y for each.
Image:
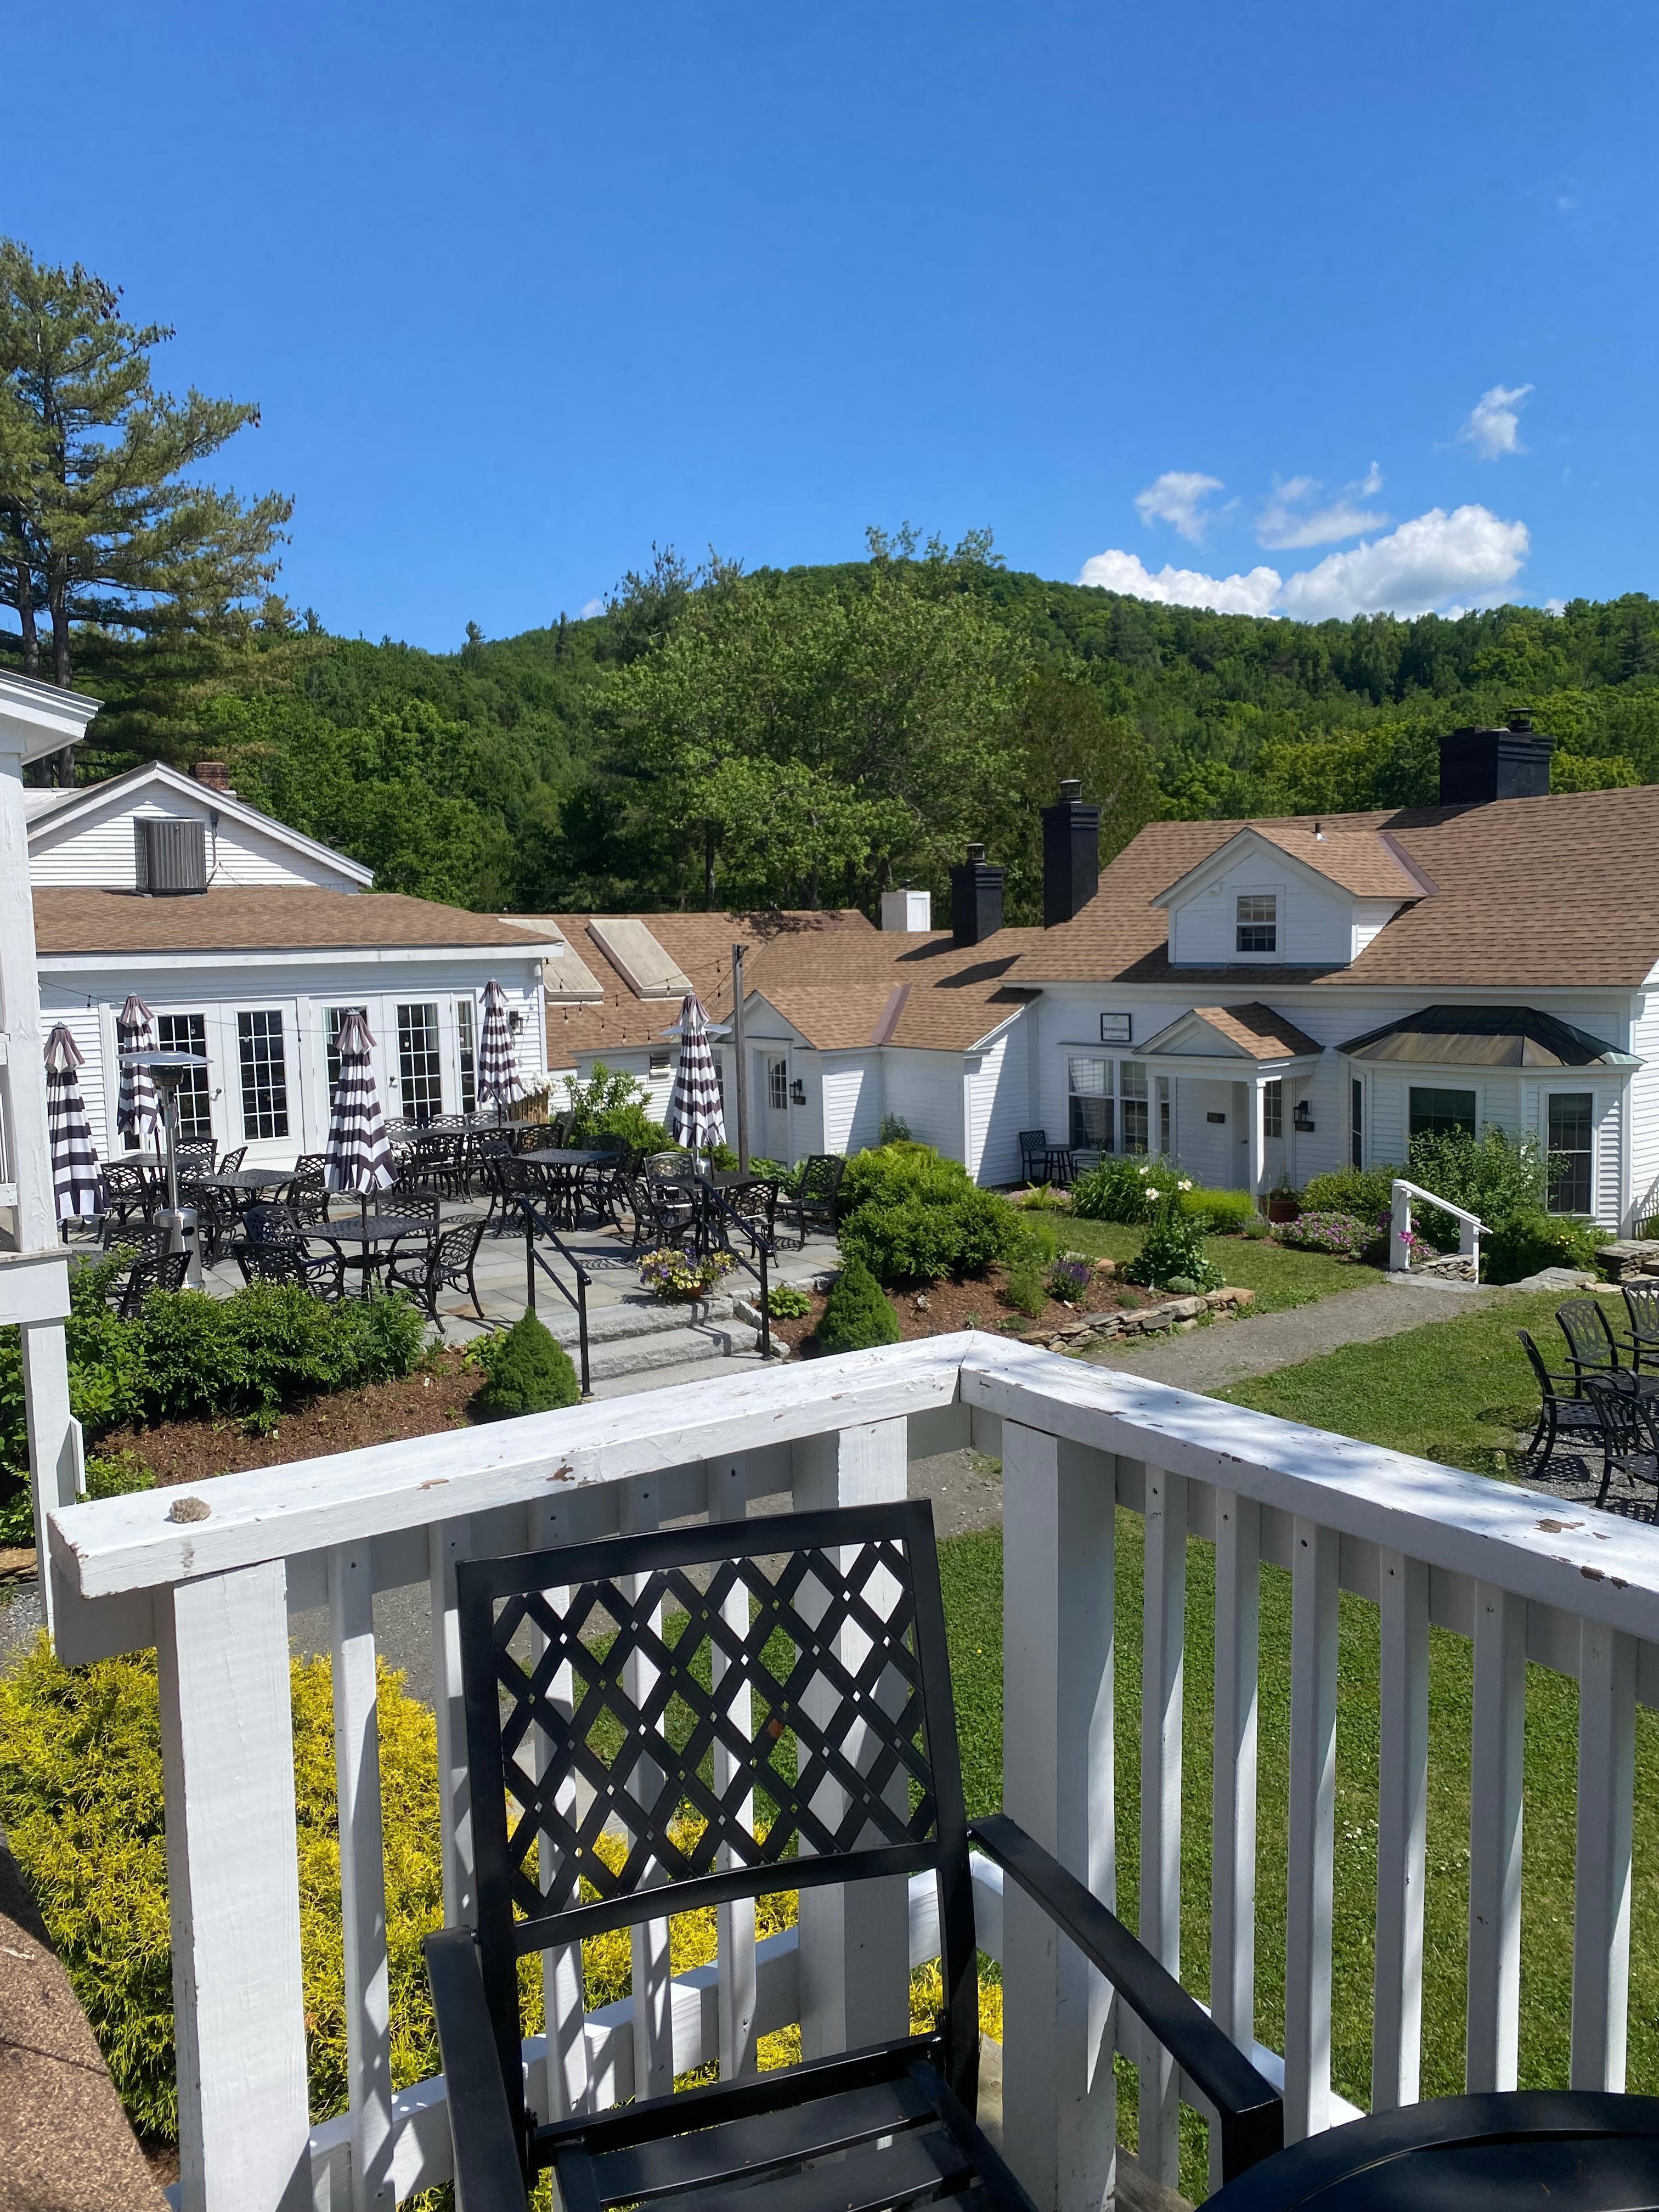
(683, 1278)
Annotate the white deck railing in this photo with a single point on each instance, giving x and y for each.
(1503, 1567)
(1469, 1225)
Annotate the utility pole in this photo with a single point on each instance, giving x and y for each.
(741, 1058)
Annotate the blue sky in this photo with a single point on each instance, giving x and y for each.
(1305, 307)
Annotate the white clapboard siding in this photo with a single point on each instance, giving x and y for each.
(1428, 1546)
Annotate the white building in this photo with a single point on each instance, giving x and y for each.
(1262, 1000)
(250, 942)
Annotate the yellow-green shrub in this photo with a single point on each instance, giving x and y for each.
(81, 1803)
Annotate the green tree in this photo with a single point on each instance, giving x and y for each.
(102, 519)
(1061, 727)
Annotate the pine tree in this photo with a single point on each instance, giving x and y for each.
(99, 522)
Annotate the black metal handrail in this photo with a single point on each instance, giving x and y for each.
(763, 1254)
(534, 1218)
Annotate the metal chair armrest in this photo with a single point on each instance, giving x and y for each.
(1250, 2110)
(489, 2174)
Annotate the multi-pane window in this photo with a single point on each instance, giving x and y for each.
(188, 1033)
(420, 1063)
(336, 1023)
(1091, 1103)
(1258, 921)
(1272, 1109)
(777, 1085)
(1133, 1104)
(1442, 1113)
(1163, 1116)
(264, 1074)
(1573, 1141)
(1356, 1123)
(466, 1053)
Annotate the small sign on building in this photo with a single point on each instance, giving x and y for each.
(1115, 1029)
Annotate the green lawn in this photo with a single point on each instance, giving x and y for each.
(1455, 1388)
(1279, 1276)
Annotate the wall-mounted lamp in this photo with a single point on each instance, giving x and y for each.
(798, 1092)
(515, 1021)
(1302, 1119)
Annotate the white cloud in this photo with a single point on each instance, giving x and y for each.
(1555, 606)
(1287, 522)
(1182, 587)
(1178, 497)
(588, 609)
(1493, 427)
(1436, 557)
(1436, 560)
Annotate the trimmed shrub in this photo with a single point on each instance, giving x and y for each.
(1229, 1212)
(911, 1217)
(526, 1371)
(1173, 1250)
(1366, 1193)
(856, 1315)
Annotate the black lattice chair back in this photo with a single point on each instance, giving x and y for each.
(1591, 1346)
(612, 1781)
(1642, 1306)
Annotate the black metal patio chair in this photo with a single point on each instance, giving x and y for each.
(812, 1203)
(130, 1199)
(1034, 1155)
(150, 1271)
(197, 1155)
(273, 1248)
(1642, 1315)
(1593, 1349)
(853, 1760)
(1561, 1413)
(446, 1263)
(1630, 1436)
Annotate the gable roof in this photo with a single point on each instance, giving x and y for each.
(1518, 900)
(70, 919)
(1254, 1030)
(47, 821)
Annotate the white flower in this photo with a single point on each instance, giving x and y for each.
(1185, 1183)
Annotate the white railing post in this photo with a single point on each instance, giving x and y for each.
(1232, 1872)
(654, 2021)
(448, 1541)
(1496, 1772)
(1162, 1671)
(58, 1474)
(1601, 1919)
(233, 1891)
(1314, 1625)
(1402, 1829)
(1399, 1228)
(1059, 2102)
(728, 1500)
(363, 1873)
(567, 2083)
(855, 1942)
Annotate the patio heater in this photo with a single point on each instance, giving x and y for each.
(170, 1071)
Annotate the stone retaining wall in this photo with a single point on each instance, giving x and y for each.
(1168, 1313)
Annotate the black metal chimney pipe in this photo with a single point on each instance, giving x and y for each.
(975, 899)
(1071, 855)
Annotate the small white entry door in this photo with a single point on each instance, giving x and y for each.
(773, 1089)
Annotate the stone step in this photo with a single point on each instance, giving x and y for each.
(663, 1378)
(615, 1321)
(678, 1347)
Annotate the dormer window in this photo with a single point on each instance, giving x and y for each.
(1258, 921)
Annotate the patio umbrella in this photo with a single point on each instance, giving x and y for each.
(498, 1064)
(77, 1182)
(357, 1156)
(694, 1105)
(136, 1114)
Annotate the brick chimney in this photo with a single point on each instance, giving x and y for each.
(215, 775)
(975, 899)
(1479, 765)
(1071, 855)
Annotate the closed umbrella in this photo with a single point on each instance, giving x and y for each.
(136, 1112)
(694, 1105)
(357, 1156)
(77, 1182)
(498, 1064)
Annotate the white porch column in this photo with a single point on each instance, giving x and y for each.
(1258, 1131)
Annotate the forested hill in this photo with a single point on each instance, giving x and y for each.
(812, 734)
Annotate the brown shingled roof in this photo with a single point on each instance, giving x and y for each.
(1258, 1030)
(1522, 899)
(267, 918)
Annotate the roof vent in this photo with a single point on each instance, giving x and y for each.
(170, 854)
(975, 899)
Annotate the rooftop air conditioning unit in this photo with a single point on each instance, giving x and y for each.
(172, 855)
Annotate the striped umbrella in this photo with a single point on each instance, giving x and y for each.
(77, 1182)
(694, 1105)
(136, 1114)
(357, 1156)
(498, 1064)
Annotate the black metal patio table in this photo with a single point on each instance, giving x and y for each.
(249, 1179)
(1560, 2150)
(564, 1166)
(387, 1229)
